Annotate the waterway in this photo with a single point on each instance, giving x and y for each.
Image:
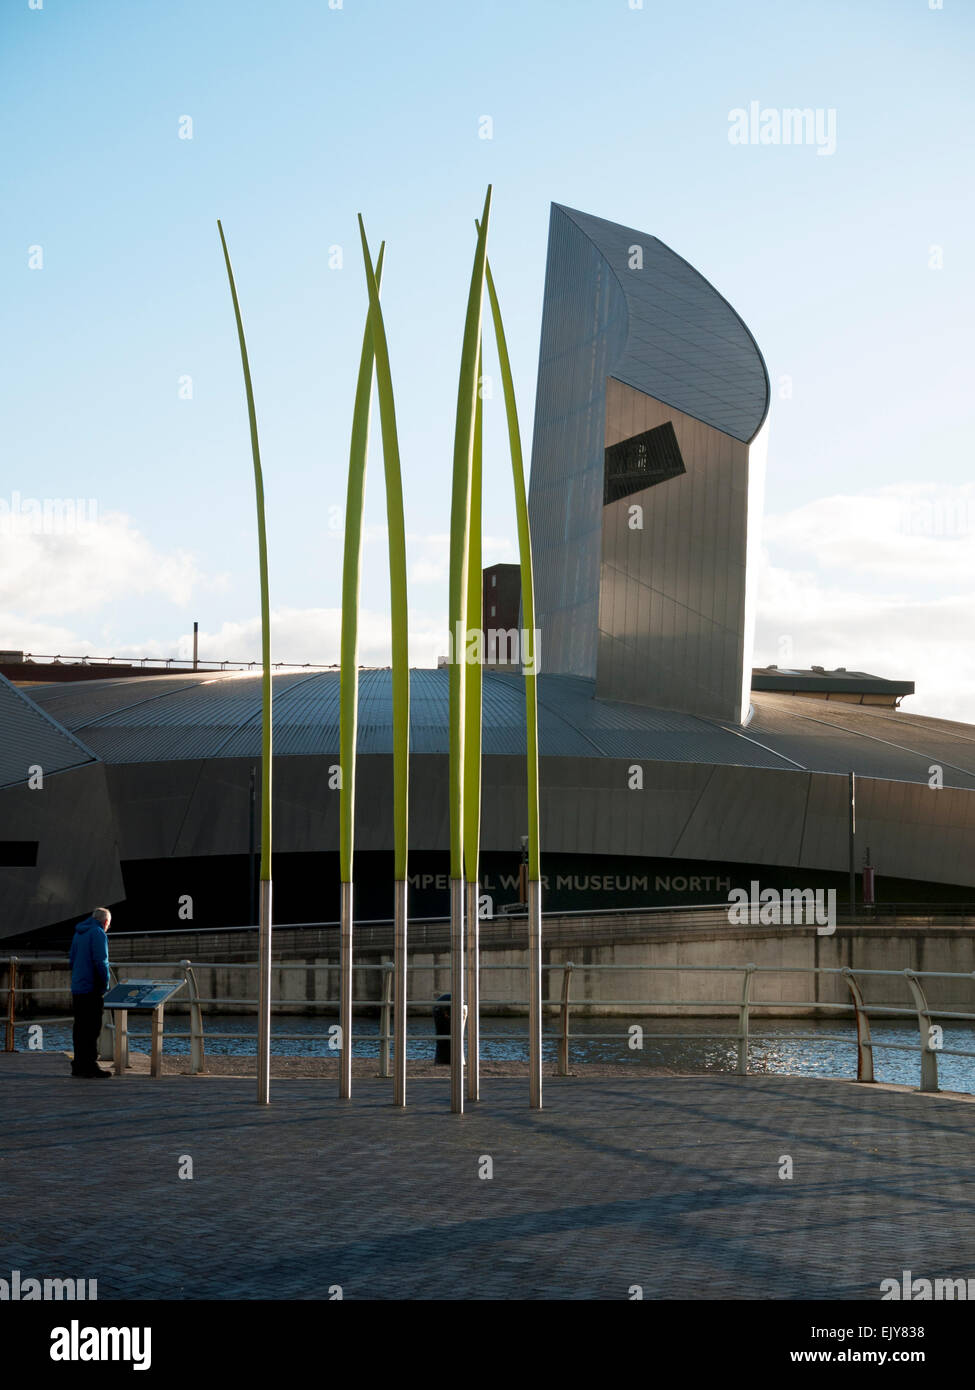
(826, 1047)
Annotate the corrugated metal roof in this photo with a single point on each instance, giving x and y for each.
(685, 344)
(174, 717)
(31, 737)
(833, 737)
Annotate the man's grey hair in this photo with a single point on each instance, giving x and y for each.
(101, 914)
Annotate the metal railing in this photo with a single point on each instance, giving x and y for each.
(743, 1006)
(169, 662)
(592, 926)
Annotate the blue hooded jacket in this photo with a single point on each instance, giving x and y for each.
(89, 958)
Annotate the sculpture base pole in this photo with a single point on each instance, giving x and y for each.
(345, 993)
(535, 994)
(399, 992)
(264, 996)
(457, 995)
(473, 997)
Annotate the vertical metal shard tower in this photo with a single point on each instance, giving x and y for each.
(647, 473)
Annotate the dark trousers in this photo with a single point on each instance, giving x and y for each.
(87, 1026)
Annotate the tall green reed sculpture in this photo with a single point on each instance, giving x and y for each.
(472, 753)
(529, 662)
(460, 519)
(375, 351)
(264, 915)
(349, 678)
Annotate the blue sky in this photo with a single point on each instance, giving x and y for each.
(302, 116)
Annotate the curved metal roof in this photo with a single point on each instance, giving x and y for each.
(685, 345)
(32, 738)
(217, 715)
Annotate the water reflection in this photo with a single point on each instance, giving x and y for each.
(827, 1049)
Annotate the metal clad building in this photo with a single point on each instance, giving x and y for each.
(667, 773)
(647, 472)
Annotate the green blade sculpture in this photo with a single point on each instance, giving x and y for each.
(472, 748)
(460, 516)
(349, 677)
(264, 933)
(396, 527)
(530, 668)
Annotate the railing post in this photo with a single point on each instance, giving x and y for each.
(746, 989)
(106, 1038)
(121, 1052)
(197, 1045)
(929, 1058)
(567, 970)
(11, 1002)
(156, 1042)
(384, 1018)
(864, 1040)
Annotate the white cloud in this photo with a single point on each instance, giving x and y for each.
(906, 534)
(311, 635)
(43, 639)
(860, 594)
(78, 567)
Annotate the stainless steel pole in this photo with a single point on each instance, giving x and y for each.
(457, 995)
(535, 994)
(264, 997)
(399, 991)
(345, 993)
(251, 861)
(853, 828)
(473, 996)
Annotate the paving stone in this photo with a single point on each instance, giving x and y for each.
(670, 1183)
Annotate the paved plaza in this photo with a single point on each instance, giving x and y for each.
(667, 1183)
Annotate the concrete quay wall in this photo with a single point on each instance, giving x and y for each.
(690, 985)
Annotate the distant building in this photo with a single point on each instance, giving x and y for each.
(851, 687)
(501, 614)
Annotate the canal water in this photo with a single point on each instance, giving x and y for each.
(826, 1048)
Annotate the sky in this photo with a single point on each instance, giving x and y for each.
(127, 130)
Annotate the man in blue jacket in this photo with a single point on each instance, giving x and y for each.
(89, 981)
